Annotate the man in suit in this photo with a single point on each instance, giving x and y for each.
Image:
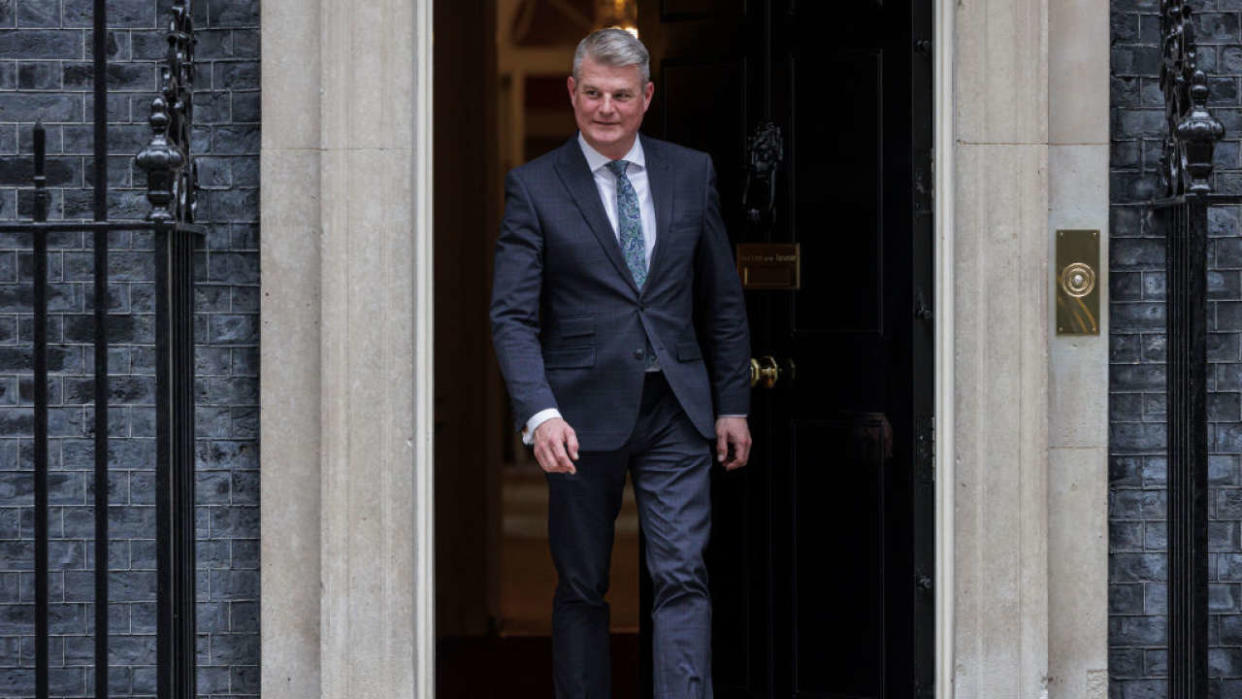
(620, 327)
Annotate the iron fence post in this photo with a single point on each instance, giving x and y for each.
(1182, 215)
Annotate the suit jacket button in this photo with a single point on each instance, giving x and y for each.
(638, 353)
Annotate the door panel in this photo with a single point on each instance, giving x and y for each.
(838, 560)
(835, 166)
(703, 106)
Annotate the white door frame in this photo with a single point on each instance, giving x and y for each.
(424, 358)
(942, 319)
(424, 324)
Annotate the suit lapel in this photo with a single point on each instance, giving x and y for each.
(572, 168)
(660, 185)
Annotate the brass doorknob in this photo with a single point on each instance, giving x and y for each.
(764, 370)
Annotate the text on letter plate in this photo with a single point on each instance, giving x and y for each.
(769, 265)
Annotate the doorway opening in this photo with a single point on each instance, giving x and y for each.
(500, 100)
(822, 554)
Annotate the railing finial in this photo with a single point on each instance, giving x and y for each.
(160, 160)
(1198, 132)
(1192, 131)
(171, 176)
(42, 197)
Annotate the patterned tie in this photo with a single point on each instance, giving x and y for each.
(630, 230)
(630, 224)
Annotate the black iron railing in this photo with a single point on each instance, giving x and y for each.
(1185, 226)
(171, 188)
(1181, 215)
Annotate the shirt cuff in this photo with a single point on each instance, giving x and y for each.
(720, 416)
(528, 432)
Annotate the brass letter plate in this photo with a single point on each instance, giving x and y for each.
(769, 265)
(1078, 282)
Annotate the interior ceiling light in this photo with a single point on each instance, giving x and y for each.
(617, 13)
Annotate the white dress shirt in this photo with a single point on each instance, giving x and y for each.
(606, 184)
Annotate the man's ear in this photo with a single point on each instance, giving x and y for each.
(648, 91)
(569, 83)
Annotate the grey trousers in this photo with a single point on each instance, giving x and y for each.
(669, 463)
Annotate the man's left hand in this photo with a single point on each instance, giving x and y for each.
(732, 432)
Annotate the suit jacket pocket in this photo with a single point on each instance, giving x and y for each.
(569, 357)
(577, 326)
(688, 351)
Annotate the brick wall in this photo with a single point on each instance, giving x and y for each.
(45, 72)
(1138, 569)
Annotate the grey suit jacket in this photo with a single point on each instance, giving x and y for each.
(570, 325)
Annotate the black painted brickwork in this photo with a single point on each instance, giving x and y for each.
(1138, 567)
(45, 72)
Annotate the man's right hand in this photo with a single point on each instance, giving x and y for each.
(556, 446)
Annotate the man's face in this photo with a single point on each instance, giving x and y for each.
(609, 104)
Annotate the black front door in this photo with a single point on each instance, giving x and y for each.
(822, 547)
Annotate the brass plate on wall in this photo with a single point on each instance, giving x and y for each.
(770, 265)
(1078, 282)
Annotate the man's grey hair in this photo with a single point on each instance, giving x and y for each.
(616, 48)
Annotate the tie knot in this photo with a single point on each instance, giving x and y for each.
(618, 167)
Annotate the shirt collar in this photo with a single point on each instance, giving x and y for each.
(596, 160)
